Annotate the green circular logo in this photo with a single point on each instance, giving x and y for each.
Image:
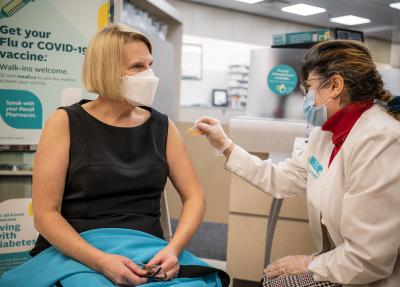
(282, 80)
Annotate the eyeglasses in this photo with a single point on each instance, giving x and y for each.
(304, 85)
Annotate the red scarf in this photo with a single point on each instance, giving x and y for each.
(341, 123)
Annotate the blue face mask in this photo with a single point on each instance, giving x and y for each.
(315, 116)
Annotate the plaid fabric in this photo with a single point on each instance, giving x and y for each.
(297, 280)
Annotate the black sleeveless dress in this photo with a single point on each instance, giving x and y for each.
(115, 176)
(115, 179)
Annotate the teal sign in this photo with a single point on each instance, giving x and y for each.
(282, 80)
(12, 260)
(41, 61)
(20, 109)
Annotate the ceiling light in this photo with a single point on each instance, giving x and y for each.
(303, 9)
(395, 5)
(350, 20)
(249, 1)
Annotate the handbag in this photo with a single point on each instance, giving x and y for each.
(295, 280)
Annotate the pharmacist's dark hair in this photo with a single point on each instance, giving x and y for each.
(353, 62)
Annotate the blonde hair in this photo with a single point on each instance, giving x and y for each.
(102, 65)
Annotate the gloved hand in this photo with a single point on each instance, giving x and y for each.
(289, 265)
(212, 128)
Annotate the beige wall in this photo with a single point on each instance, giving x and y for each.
(380, 50)
(213, 178)
(214, 22)
(218, 23)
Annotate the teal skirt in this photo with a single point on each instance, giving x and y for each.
(50, 266)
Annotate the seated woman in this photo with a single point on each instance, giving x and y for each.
(100, 169)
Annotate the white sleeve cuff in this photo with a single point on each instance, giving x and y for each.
(316, 268)
(236, 159)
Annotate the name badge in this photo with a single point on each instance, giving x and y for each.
(314, 167)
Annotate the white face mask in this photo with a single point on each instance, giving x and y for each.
(140, 89)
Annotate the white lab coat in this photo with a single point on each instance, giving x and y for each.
(358, 197)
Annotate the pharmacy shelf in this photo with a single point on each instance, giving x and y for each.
(15, 173)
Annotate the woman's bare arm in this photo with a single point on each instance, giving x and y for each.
(184, 179)
(186, 182)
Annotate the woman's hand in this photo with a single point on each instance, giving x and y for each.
(167, 258)
(212, 128)
(289, 265)
(121, 270)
